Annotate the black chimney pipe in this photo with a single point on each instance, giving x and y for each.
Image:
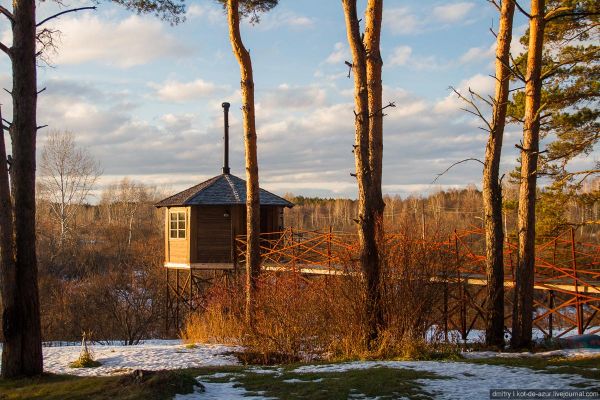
(225, 106)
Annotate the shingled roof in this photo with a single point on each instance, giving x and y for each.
(223, 189)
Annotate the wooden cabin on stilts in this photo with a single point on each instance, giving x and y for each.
(201, 224)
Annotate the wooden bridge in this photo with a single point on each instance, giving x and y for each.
(567, 275)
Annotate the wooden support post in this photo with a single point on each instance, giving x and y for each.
(167, 302)
(329, 248)
(461, 291)
(578, 305)
(235, 253)
(176, 299)
(191, 292)
(293, 249)
(550, 315)
(446, 307)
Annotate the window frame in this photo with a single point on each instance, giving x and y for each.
(180, 230)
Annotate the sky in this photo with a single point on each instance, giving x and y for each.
(144, 97)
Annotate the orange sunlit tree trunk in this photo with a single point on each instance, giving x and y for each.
(492, 189)
(368, 151)
(248, 7)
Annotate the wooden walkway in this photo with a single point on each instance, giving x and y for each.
(567, 273)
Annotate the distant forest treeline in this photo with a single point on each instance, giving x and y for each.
(446, 210)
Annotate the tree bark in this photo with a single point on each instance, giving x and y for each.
(374, 61)
(492, 189)
(523, 304)
(367, 153)
(11, 352)
(23, 130)
(252, 188)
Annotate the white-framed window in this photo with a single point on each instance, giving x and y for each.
(177, 225)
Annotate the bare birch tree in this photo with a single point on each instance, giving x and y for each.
(67, 175)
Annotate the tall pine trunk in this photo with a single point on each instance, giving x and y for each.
(523, 303)
(11, 319)
(492, 190)
(252, 188)
(368, 152)
(23, 130)
(374, 61)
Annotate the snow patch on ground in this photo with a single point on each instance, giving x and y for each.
(567, 353)
(467, 381)
(118, 359)
(460, 380)
(219, 391)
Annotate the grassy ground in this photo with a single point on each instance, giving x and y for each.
(386, 383)
(284, 384)
(585, 367)
(159, 386)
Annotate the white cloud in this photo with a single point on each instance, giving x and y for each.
(339, 54)
(475, 54)
(451, 13)
(483, 85)
(403, 56)
(400, 55)
(294, 97)
(211, 13)
(177, 122)
(183, 91)
(401, 21)
(125, 43)
(284, 19)
(6, 37)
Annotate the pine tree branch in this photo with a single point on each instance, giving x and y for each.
(552, 13)
(495, 4)
(475, 110)
(390, 104)
(522, 10)
(578, 34)
(573, 14)
(571, 61)
(516, 71)
(455, 164)
(7, 14)
(65, 12)
(579, 147)
(523, 149)
(6, 49)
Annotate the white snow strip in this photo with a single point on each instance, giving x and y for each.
(294, 380)
(124, 359)
(568, 353)
(467, 381)
(219, 391)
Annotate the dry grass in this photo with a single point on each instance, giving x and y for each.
(302, 318)
(86, 357)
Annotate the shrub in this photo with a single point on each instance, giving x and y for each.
(86, 357)
(301, 317)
